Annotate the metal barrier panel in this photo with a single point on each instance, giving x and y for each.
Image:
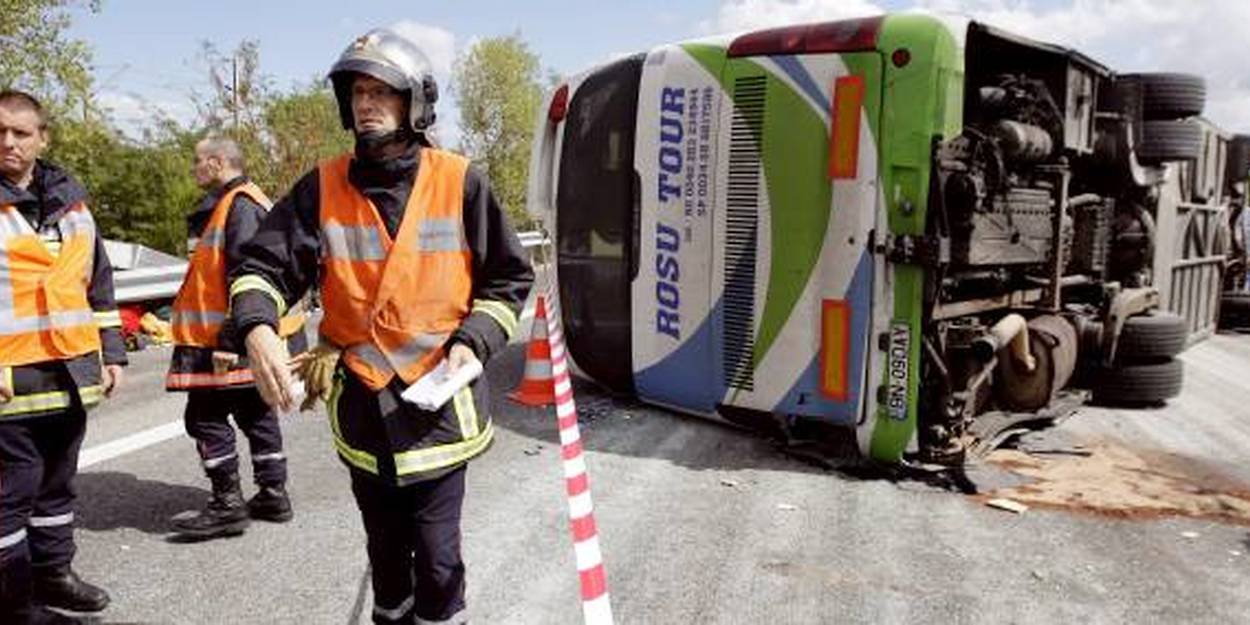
(1197, 276)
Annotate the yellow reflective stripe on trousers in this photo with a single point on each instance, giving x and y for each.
(466, 412)
(52, 400)
(498, 311)
(253, 282)
(107, 318)
(435, 458)
(360, 459)
(419, 460)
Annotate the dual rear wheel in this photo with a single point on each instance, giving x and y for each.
(1146, 370)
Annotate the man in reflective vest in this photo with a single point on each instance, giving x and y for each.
(217, 383)
(61, 352)
(416, 263)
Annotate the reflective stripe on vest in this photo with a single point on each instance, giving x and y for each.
(200, 308)
(392, 304)
(44, 311)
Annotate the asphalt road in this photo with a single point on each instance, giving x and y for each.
(699, 523)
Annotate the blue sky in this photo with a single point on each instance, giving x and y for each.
(147, 52)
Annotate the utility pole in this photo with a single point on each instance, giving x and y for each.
(234, 89)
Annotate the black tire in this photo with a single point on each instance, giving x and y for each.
(1170, 96)
(1235, 310)
(1139, 383)
(1238, 159)
(1168, 140)
(1152, 336)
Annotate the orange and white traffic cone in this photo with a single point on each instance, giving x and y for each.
(537, 387)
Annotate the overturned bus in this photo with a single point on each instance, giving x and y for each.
(917, 229)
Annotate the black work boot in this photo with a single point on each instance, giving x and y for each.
(271, 503)
(60, 587)
(224, 515)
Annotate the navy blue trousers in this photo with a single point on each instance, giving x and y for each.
(207, 419)
(413, 541)
(38, 462)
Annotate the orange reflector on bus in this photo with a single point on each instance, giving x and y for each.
(835, 347)
(848, 97)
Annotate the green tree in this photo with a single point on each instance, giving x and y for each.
(140, 190)
(282, 134)
(498, 84)
(38, 55)
(302, 128)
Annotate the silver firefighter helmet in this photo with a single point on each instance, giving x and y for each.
(395, 60)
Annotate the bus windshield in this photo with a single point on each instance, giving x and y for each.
(596, 200)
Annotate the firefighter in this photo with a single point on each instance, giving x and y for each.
(416, 263)
(61, 352)
(204, 364)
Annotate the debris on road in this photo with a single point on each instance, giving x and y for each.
(1116, 481)
(728, 482)
(787, 507)
(1189, 535)
(1008, 505)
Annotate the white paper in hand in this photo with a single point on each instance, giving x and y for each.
(433, 389)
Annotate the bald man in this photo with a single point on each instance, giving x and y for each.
(217, 382)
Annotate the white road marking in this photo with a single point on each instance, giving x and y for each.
(127, 444)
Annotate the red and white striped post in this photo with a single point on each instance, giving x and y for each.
(596, 607)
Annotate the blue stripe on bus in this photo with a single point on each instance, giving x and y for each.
(687, 378)
(801, 77)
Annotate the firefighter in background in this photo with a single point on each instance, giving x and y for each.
(204, 364)
(416, 262)
(61, 352)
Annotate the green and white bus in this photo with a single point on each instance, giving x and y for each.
(900, 226)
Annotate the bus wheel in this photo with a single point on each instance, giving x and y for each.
(1140, 383)
(1235, 310)
(1170, 96)
(1169, 140)
(1151, 336)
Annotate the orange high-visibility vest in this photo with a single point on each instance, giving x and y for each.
(44, 312)
(203, 301)
(391, 305)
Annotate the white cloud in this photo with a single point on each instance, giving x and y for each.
(740, 15)
(667, 18)
(1206, 37)
(132, 113)
(438, 45)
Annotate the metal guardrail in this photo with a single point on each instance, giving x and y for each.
(146, 284)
